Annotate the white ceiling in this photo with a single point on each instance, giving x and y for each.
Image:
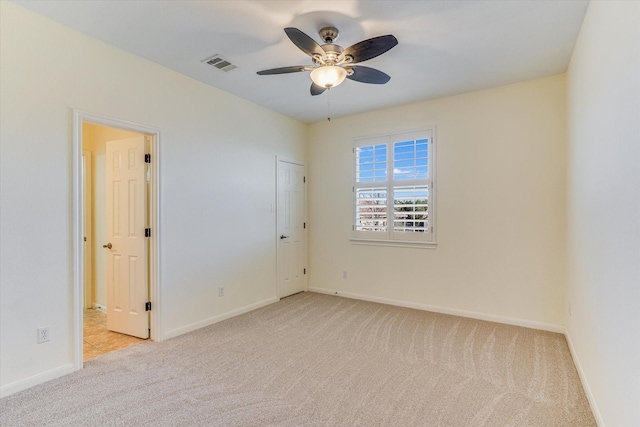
(445, 47)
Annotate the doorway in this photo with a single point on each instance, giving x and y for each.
(106, 322)
(111, 204)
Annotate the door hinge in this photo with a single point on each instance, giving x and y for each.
(147, 232)
(304, 271)
(304, 225)
(304, 179)
(147, 306)
(147, 158)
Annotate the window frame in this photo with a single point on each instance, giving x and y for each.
(391, 237)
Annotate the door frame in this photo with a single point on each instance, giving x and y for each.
(87, 194)
(280, 159)
(79, 118)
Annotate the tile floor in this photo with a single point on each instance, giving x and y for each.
(98, 340)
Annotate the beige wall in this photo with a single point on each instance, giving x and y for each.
(500, 207)
(604, 209)
(217, 158)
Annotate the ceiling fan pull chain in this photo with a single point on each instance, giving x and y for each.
(329, 105)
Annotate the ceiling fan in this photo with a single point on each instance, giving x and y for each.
(332, 64)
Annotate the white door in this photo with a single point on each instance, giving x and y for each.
(291, 229)
(127, 288)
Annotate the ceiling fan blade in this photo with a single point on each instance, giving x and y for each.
(370, 48)
(285, 70)
(304, 42)
(316, 89)
(368, 75)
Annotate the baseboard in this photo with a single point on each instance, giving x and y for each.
(585, 383)
(219, 318)
(34, 380)
(455, 312)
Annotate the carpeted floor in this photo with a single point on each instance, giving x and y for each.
(320, 360)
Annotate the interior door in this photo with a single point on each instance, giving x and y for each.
(127, 287)
(291, 229)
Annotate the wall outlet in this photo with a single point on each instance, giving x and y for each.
(44, 334)
(221, 291)
(344, 274)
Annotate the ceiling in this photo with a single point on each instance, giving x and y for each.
(445, 47)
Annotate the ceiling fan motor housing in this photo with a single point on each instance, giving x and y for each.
(329, 34)
(331, 56)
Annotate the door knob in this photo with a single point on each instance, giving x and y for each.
(108, 246)
(282, 236)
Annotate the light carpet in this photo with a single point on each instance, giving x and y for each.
(320, 360)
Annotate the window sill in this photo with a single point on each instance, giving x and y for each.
(396, 243)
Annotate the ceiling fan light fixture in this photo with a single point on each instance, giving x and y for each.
(328, 76)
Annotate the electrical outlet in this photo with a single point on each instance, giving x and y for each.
(221, 291)
(344, 274)
(44, 334)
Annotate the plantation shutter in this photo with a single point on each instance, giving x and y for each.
(393, 187)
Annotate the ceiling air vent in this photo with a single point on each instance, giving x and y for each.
(220, 63)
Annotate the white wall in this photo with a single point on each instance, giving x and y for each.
(603, 124)
(500, 207)
(217, 184)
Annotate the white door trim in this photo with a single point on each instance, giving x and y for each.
(80, 117)
(299, 163)
(87, 227)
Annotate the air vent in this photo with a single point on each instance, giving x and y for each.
(220, 63)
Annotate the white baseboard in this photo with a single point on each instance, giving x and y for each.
(585, 383)
(34, 380)
(219, 318)
(455, 312)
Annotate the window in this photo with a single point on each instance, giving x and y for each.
(393, 189)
